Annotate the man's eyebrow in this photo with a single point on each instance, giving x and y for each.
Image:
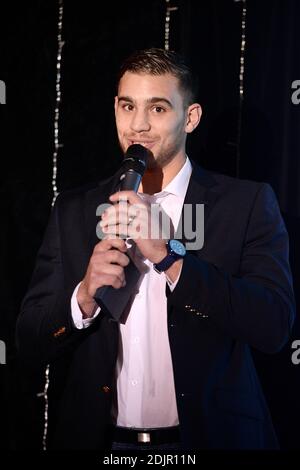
(159, 99)
(125, 98)
(153, 100)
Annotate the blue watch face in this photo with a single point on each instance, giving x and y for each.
(177, 247)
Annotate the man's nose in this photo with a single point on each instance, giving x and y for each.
(140, 121)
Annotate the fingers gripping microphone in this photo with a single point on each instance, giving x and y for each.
(113, 301)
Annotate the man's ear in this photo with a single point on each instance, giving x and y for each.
(194, 114)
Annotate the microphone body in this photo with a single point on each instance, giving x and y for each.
(131, 181)
(113, 301)
(133, 167)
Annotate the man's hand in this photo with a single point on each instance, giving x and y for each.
(131, 217)
(105, 268)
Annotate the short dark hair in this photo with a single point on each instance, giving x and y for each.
(157, 61)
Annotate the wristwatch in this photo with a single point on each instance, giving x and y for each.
(176, 250)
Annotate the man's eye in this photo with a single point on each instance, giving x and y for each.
(127, 107)
(158, 109)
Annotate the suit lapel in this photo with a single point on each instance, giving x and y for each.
(202, 189)
(94, 199)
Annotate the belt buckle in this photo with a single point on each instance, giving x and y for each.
(144, 437)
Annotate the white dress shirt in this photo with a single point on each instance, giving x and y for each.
(144, 372)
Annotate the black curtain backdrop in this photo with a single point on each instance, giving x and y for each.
(208, 32)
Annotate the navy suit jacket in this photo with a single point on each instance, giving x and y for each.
(233, 294)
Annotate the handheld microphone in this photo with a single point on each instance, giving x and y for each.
(133, 167)
(113, 301)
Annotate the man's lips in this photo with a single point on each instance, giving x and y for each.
(145, 143)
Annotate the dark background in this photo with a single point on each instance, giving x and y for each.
(259, 140)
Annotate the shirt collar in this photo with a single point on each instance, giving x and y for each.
(179, 183)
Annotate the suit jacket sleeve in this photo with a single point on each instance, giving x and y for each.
(255, 306)
(45, 329)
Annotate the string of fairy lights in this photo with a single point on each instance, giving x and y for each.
(241, 85)
(57, 144)
(169, 9)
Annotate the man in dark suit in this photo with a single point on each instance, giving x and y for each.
(177, 370)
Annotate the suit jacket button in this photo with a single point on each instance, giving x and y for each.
(59, 332)
(105, 389)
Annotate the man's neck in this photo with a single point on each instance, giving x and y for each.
(156, 179)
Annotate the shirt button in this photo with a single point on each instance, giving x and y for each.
(134, 382)
(136, 340)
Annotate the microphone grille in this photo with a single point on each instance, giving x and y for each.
(136, 158)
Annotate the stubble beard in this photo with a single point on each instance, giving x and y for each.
(164, 156)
